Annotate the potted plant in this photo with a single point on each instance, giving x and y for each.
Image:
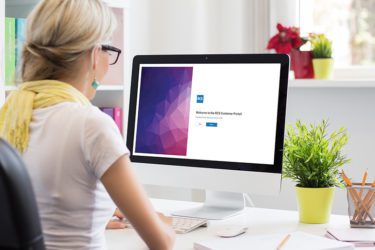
(288, 41)
(312, 159)
(322, 56)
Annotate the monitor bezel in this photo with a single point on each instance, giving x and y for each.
(281, 59)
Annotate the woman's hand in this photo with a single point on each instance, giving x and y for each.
(120, 224)
(117, 223)
(121, 183)
(166, 219)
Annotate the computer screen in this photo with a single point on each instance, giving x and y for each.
(207, 111)
(212, 122)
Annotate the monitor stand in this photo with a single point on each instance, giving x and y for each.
(217, 206)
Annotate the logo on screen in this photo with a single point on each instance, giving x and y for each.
(200, 98)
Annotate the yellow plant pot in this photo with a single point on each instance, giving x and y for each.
(315, 204)
(323, 68)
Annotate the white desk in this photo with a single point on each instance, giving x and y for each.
(259, 221)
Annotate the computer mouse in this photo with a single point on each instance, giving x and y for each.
(231, 231)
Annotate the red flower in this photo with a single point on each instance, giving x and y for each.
(287, 39)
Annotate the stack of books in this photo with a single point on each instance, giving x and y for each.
(14, 40)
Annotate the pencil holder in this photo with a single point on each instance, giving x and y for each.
(361, 205)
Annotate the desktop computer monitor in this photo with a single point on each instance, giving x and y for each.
(212, 122)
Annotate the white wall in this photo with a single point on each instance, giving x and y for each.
(352, 108)
(285, 12)
(197, 26)
(238, 26)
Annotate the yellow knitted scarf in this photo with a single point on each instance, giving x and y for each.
(15, 114)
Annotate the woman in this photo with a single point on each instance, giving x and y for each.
(74, 152)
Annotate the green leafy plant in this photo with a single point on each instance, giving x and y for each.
(312, 157)
(321, 46)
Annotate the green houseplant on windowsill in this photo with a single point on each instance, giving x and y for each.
(322, 56)
(312, 158)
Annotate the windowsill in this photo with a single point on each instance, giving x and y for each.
(334, 83)
(343, 77)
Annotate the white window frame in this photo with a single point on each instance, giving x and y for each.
(287, 12)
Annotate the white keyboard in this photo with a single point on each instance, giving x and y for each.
(183, 225)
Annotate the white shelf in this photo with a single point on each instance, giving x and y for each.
(111, 88)
(10, 88)
(313, 83)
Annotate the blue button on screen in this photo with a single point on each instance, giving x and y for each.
(211, 124)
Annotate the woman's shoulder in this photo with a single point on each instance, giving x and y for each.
(97, 120)
(94, 114)
(73, 108)
(88, 115)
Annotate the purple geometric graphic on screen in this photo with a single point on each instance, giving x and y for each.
(163, 110)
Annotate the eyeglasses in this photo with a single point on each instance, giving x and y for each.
(114, 53)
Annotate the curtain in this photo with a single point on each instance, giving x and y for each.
(200, 26)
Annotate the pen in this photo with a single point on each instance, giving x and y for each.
(367, 204)
(282, 243)
(370, 198)
(353, 193)
(363, 183)
(346, 179)
(356, 199)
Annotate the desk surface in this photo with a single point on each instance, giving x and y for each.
(259, 221)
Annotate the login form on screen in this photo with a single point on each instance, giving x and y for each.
(221, 112)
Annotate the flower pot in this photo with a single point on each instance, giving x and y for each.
(315, 204)
(323, 68)
(301, 64)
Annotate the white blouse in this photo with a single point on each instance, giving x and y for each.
(70, 148)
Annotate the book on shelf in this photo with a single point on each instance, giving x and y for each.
(9, 47)
(20, 38)
(14, 40)
(115, 113)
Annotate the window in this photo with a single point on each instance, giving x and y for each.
(350, 24)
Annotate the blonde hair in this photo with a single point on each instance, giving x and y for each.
(59, 32)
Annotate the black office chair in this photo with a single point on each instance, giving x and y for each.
(19, 218)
